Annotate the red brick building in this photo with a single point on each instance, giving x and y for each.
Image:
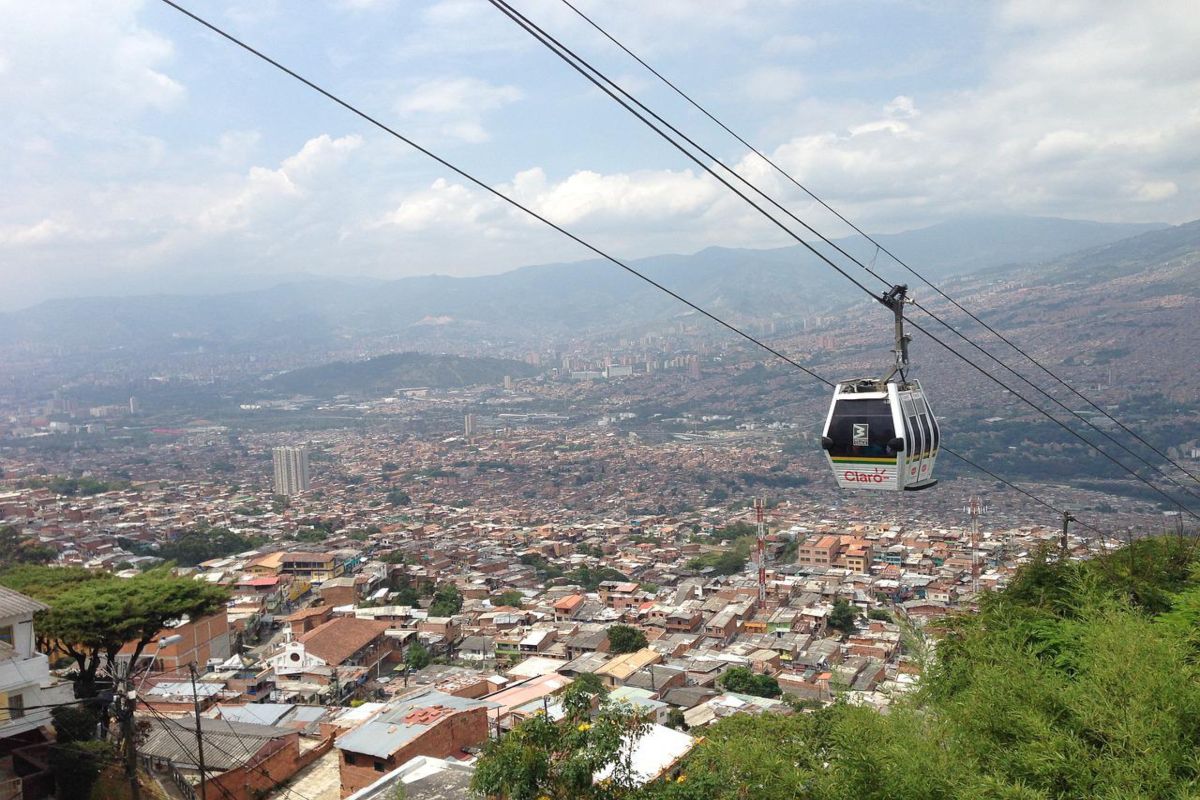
(425, 723)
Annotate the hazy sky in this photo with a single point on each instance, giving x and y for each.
(141, 152)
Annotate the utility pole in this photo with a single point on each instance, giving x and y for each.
(128, 731)
(1067, 519)
(199, 735)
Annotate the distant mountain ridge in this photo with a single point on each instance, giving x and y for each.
(535, 301)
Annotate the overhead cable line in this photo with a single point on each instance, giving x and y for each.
(587, 245)
(169, 723)
(600, 80)
(878, 246)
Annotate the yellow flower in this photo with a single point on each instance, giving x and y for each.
(681, 778)
(583, 726)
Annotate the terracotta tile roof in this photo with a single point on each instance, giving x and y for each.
(338, 639)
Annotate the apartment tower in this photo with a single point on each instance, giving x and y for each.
(291, 470)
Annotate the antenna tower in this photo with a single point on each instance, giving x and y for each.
(762, 559)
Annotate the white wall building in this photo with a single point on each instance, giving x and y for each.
(25, 680)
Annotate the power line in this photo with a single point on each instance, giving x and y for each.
(878, 246)
(599, 80)
(167, 725)
(500, 195)
(278, 784)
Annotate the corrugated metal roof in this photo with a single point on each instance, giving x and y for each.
(14, 604)
(402, 721)
(227, 744)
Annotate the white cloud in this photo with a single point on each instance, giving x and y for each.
(455, 107)
(76, 63)
(264, 191)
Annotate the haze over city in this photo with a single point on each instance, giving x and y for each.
(531, 399)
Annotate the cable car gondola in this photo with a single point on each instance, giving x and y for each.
(881, 433)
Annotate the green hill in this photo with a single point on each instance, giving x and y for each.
(384, 374)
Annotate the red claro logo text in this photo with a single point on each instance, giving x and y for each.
(853, 476)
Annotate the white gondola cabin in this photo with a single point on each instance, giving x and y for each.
(881, 435)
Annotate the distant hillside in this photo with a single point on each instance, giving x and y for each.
(377, 376)
(529, 303)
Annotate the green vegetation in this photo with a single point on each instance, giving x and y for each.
(398, 497)
(843, 616)
(23, 550)
(196, 545)
(1081, 680)
(557, 759)
(93, 615)
(77, 766)
(417, 656)
(625, 639)
(723, 562)
(380, 375)
(545, 570)
(84, 487)
(591, 579)
(510, 598)
(879, 614)
(447, 601)
(743, 681)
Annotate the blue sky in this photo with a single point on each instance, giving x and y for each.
(143, 153)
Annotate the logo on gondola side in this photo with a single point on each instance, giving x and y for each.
(861, 434)
(853, 476)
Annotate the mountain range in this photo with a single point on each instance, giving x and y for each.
(530, 303)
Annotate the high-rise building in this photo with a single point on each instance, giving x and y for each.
(291, 470)
(470, 425)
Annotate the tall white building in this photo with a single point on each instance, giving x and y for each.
(291, 470)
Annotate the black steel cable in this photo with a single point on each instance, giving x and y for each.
(570, 57)
(878, 247)
(168, 723)
(495, 192)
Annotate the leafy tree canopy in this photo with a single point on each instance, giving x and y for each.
(447, 601)
(1080, 680)
(559, 760)
(842, 616)
(92, 615)
(511, 598)
(743, 681)
(625, 639)
(22, 549)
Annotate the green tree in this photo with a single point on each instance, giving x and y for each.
(625, 639)
(511, 598)
(74, 723)
(91, 618)
(196, 545)
(447, 601)
(398, 497)
(77, 765)
(560, 760)
(879, 614)
(743, 681)
(22, 549)
(417, 656)
(842, 616)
